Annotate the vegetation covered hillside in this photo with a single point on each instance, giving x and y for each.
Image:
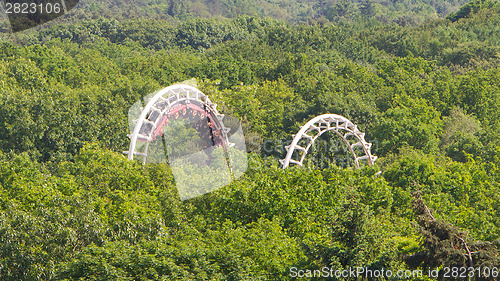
(403, 12)
(427, 95)
(294, 11)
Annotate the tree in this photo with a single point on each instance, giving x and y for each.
(460, 136)
(444, 245)
(411, 123)
(471, 8)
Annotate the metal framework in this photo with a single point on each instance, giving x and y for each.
(319, 125)
(155, 115)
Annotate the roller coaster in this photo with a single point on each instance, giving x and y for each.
(199, 168)
(172, 103)
(312, 130)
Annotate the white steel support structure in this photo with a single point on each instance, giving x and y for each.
(150, 118)
(319, 125)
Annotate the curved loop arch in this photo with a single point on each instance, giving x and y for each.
(322, 124)
(154, 116)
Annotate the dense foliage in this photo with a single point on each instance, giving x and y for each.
(427, 95)
(402, 12)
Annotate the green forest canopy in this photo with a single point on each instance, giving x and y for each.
(427, 95)
(403, 12)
